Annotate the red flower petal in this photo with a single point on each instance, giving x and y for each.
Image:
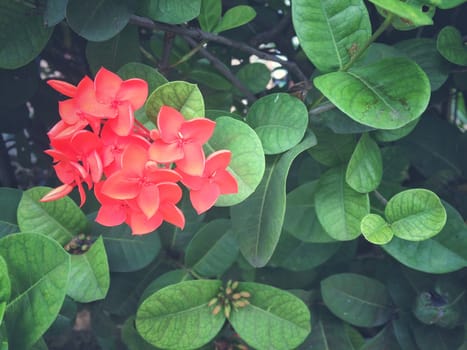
(148, 200)
(85, 142)
(134, 158)
(57, 193)
(198, 130)
(118, 186)
(169, 121)
(192, 182)
(95, 166)
(123, 123)
(172, 214)
(107, 85)
(141, 225)
(135, 91)
(193, 161)
(88, 103)
(169, 192)
(217, 160)
(161, 175)
(62, 87)
(68, 111)
(111, 215)
(226, 182)
(204, 198)
(165, 152)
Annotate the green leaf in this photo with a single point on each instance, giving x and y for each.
(5, 287)
(127, 252)
(164, 280)
(172, 11)
(365, 169)
(204, 74)
(274, 319)
(131, 337)
(338, 122)
(142, 71)
(451, 45)
(257, 221)
(89, 275)
(447, 4)
(247, 163)
(255, 76)
(357, 299)
(23, 34)
(183, 96)
(383, 101)
(114, 53)
(395, 134)
(9, 199)
(280, 120)
(39, 270)
(213, 249)
(210, 14)
(385, 339)
(178, 316)
(411, 12)
(415, 214)
(340, 208)
(432, 337)
(375, 229)
(331, 32)
(235, 17)
(55, 11)
(332, 149)
(98, 20)
(61, 219)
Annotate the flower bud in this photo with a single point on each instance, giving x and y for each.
(227, 310)
(216, 310)
(212, 302)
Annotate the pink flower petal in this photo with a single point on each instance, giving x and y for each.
(62, 87)
(205, 198)
(169, 121)
(161, 175)
(148, 199)
(134, 158)
(141, 225)
(123, 123)
(226, 182)
(68, 111)
(198, 130)
(57, 193)
(165, 152)
(107, 85)
(95, 166)
(111, 215)
(135, 91)
(118, 186)
(192, 182)
(193, 160)
(217, 160)
(169, 192)
(172, 214)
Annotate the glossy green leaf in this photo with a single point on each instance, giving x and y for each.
(247, 163)
(142, 71)
(300, 216)
(415, 214)
(89, 275)
(258, 221)
(412, 12)
(340, 208)
(385, 339)
(23, 34)
(38, 268)
(447, 4)
(365, 168)
(331, 32)
(178, 316)
(255, 76)
(384, 101)
(172, 11)
(338, 122)
(451, 45)
(395, 134)
(9, 200)
(275, 319)
(127, 252)
(280, 120)
(55, 11)
(332, 149)
(213, 249)
(235, 17)
(61, 219)
(131, 337)
(97, 20)
(114, 53)
(357, 299)
(210, 14)
(443, 253)
(375, 229)
(164, 280)
(183, 96)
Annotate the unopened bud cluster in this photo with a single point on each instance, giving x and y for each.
(229, 298)
(79, 244)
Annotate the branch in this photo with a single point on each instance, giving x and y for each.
(272, 33)
(199, 35)
(168, 43)
(321, 109)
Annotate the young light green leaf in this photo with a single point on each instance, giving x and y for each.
(257, 221)
(451, 45)
(172, 11)
(365, 168)
(415, 214)
(178, 316)
(210, 14)
(38, 268)
(340, 208)
(411, 12)
(384, 101)
(255, 76)
(375, 229)
(331, 32)
(357, 299)
(247, 163)
(274, 319)
(235, 17)
(89, 275)
(183, 96)
(213, 249)
(280, 120)
(61, 219)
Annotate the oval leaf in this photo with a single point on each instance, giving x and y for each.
(375, 229)
(172, 11)
(365, 168)
(235, 17)
(61, 219)
(451, 46)
(39, 270)
(340, 208)
(255, 76)
(210, 14)
(415, 214)
(332, 149)
(280, 120)
(178, 316)
(331, 32)
(257, 221)
(274, 319)
(384, 101)
(356, 299)
(411, 13)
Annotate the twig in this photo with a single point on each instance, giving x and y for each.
(321, 109)
(168, 43)
(380, 197)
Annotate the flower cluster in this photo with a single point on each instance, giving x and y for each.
(135, 172)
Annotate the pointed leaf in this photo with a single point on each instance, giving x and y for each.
(340, 208)
(357, 299)
(331, 32)
(375, 229)
(451, 45)
(38, 268)
(235, 17)
(178, 316)
(280, 120)
(257, 221)
(89, 275)
(384, 101)
(61, 219)
(274, 319)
